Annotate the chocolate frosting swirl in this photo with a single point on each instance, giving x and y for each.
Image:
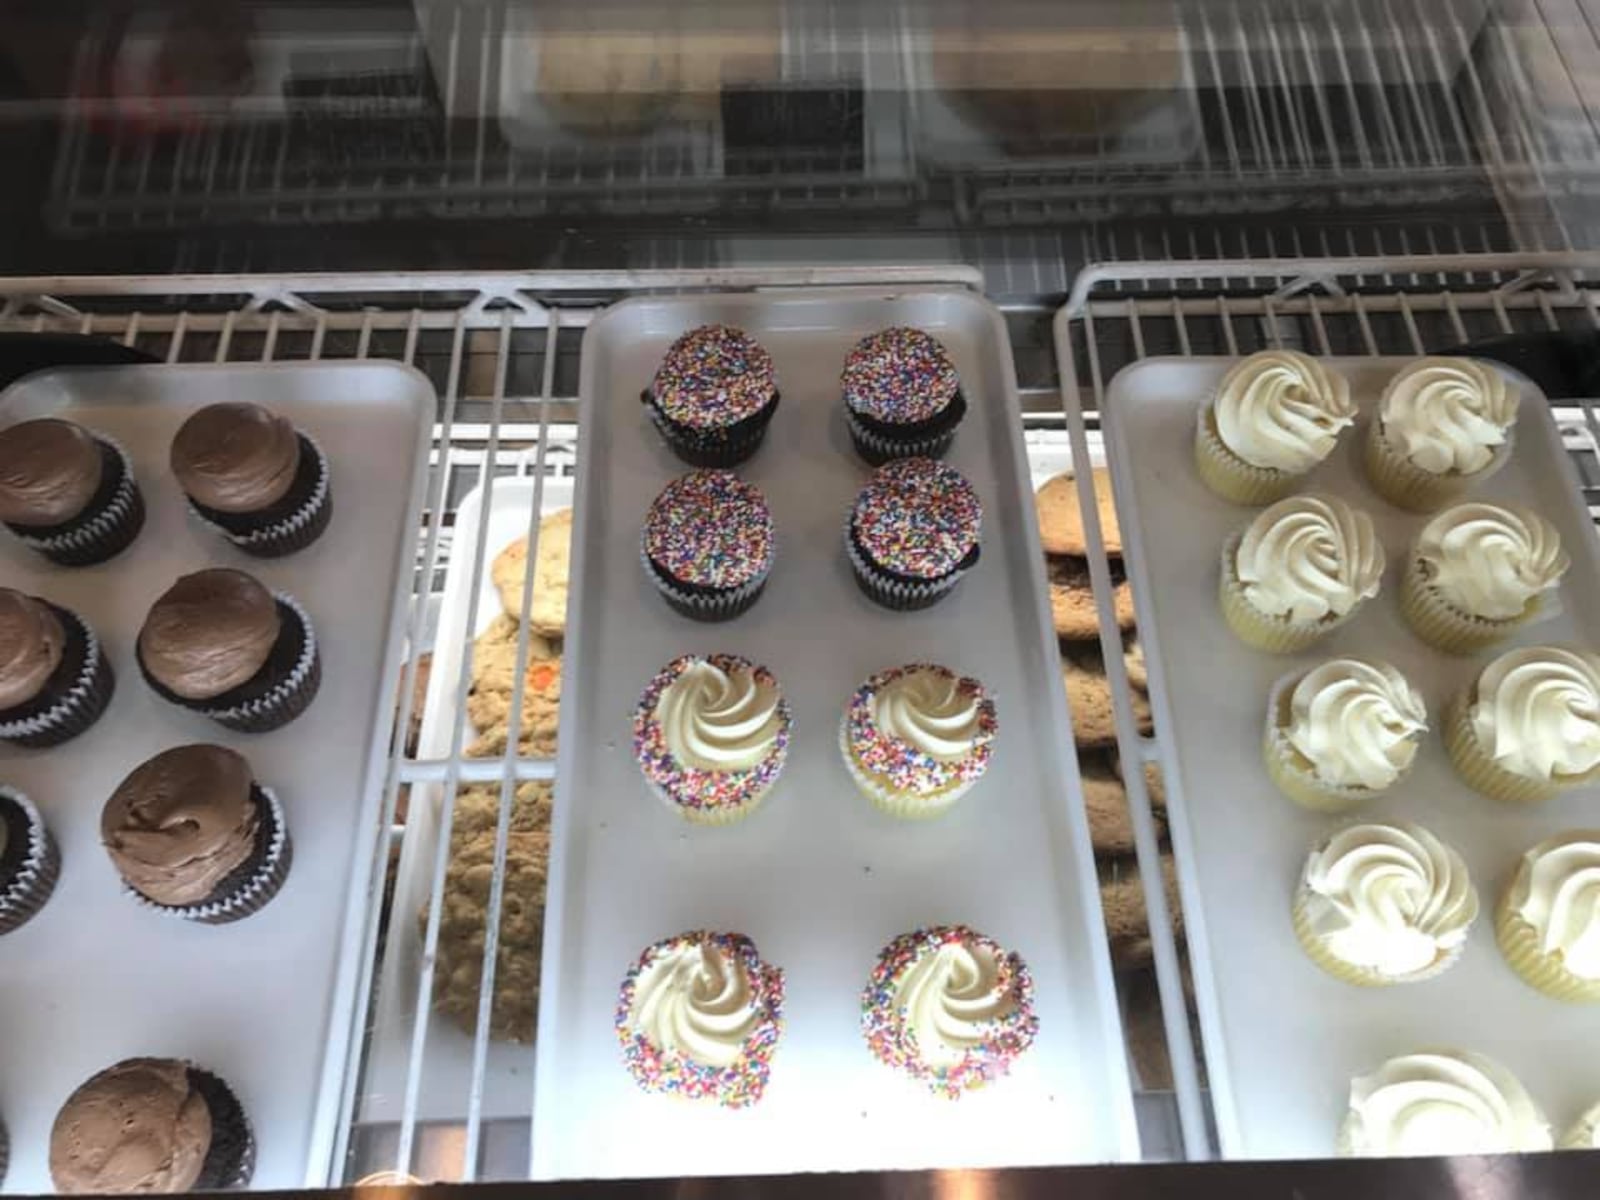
(139, 1126)
(236, 458)
(208, 633)
(49, 471)
(31, 643)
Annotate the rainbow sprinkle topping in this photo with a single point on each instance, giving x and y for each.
(672, 1072)
(710, 529)
(917, 517)
(900, 376)
(713, 377)
(696, 787)
(899, 765)
(889, 1037)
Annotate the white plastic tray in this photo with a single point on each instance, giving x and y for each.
(817, 877)
(266, 1002)
(1282, 1038)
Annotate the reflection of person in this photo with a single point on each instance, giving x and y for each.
(165, 65)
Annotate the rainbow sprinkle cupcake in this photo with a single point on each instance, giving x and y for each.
(708, 544)
(913, 533)
(902, 396)
(713, 396)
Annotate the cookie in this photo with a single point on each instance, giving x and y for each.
(489, 710)
(419, 694)
(494, 652)
(478, 809)
(1061, 522)
(1127, 922)
(1133, 662)
(1089, 700)
(1106, 803)
(1154, 786)
(547, 613)
(1072, 609)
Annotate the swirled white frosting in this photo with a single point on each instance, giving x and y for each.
(950, 997)
(1448, 414)
(1443, 1102)
(1282, 410)
(929, 710)
(1585, 1132)
(1490, 561)
(1538, 711)
(1309, 557)
(1557, 891)
(696, 1001)
(718, 720)
(1389, 898)
(1356, 722)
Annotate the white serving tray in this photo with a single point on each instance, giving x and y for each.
(267, 1002)
(1283, 1038)
(817, 877)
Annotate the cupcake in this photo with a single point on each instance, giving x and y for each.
(1477, 572)
(1529, 726)
(1275, 416)
(253, 477)
(54, 679)
(1548, 919)
(949, 1007)
(1342, 733)
(913, 533)
(1299, 571)
(1443, 425)
(220, 644)
(1441, 1102)
(699, 1016)
(29, 860)
(194, 835)
(708, 544)
(151, 1125)
(68, 493)
(902, 396)
(5, 1151)
(711, 735)
(1584, 1133)
(1384, 903)
(916, 738)
(713, 396)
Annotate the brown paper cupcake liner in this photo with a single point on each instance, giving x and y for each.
(706, 606)
(288, 698)
(253, 893)
(79, 708)
(1287, 769)
(900, 594)
(1276, 635)
(35, 878)
(878, 449)
(1478, 769)
(1446, 627)
(1519, 944)
(906, 806)
(1228, 475)
(105, 534)
(294, 532)
(1318, 952)
(1404, 484)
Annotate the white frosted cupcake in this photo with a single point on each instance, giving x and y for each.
(1342, 733)
(1548, 920)
(1441, 1102)
(1298, 571)
(1529, 726)
(1275, 416)
(1477, 572)
(1443, 425)
(1384, 903)
(1584, 1133)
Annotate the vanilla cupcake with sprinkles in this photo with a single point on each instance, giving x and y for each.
(913, 533)
(902, 396)
(713, 396)
(708, 544)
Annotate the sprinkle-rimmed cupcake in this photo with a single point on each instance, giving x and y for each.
(713, 396)
(711, 735)
(1477, 573)
(1441, 1102)
(1384, 903)
(913, 533)
(151, 1125)
(916, 738)
(902, 396)
(55, 681)
(67, 493)
(700, 1016)
(1443, 425)
(949, 1007)
(29, 860)
(1548, 920)
(1342, 733)
(195, 836)
(1529, 726)
(220, 644)
(253, 477)
(708, 544)
(1300, 570)
(1275, 416)
(1584, 1133)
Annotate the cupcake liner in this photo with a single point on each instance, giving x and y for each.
(722, 605)
(256, 891)
(906, 806)
(106, 532)
(79, 708)
(1581, 1134)
(1445, 627)
(1479, 771)
(1287, 767)
(5, 1151)
(900, 594)
(1276, 635)
(287, 534)
(727, 448)
(722, 814)
(35, 878)
(1319, 953)
(1404, 484)
(231, 1159)
(877, 448)
(1519, 944)
(1228, 475)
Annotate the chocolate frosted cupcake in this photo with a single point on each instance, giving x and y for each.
(29, 860)
(708, 544)
(192, 834)
(253, 477)
(913, 533)
(54, 679)
(67, 493)
(220, 644)
(713, 395)
(151, 1125)
(902, 396)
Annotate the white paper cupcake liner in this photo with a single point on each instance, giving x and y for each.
(118, 510)
(723, 607)
(31, 886)
(83, 695)
(257, 540)
(248, 717)
(256, 891)
(1297, 781)
(896, 593)
(907, 806)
